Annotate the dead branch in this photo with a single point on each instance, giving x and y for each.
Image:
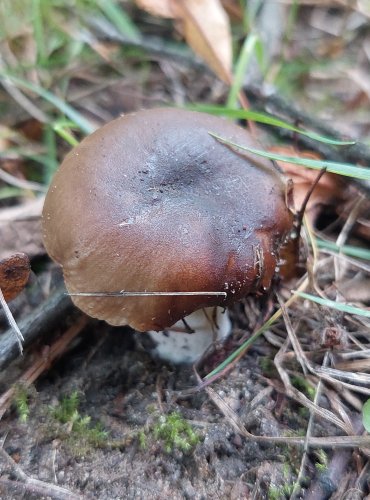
(52, 314)
(35, 485)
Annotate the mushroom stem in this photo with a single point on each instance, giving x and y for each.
(178, 345)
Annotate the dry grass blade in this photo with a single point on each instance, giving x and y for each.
(315, 442)
(309, 430)
(339, 375)
(343, 235)
(355, 365)
(293, 337)
(21, 183)
(20, 98)
(12, 322)
(298, 396)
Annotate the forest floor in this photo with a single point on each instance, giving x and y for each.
(102, 419)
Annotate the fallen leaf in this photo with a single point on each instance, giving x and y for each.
(20, 229)
(329, 190)
(161, 8)
(14, 274)
(206, 28)
(207, 31)
(233, 8)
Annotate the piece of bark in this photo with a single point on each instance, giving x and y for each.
(14, 273)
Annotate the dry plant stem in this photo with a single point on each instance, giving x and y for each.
(35, 486)
(21, 183)
(15, 329)
(23, 101)
(44, 361)
(353, 216)
(337, 467)
(293, 337)
(314, 442)
(295, 394)
(243, 99)
(310, 425)
(337, 405)
(332, 375)
(346, 258)
(255, 335)
(302, 209)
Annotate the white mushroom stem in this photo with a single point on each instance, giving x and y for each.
(178, 346)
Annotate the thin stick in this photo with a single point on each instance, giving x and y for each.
(36, 485)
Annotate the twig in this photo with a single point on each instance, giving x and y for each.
(52, 314)
(35, 485)
(44, 361)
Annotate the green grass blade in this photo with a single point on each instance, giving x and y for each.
(339, 306)
(243, 347)
(366, 415)
(10, 192)
(345, 169)
(351, 251)
(58, 103)
(62, 128)
(120, 19)
(51, 148)
(267, 120)
(241, 69)
(38, 31)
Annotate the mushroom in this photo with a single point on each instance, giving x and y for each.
(152, 202)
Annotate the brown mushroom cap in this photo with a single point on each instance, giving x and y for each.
(152, 202)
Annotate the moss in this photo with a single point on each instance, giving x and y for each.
(174, 432)
(142, 440)
(76, 430)
(322, 460)
(280, 492)
(20, 401)
(302, 384)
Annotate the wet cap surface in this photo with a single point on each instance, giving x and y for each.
(153, 202)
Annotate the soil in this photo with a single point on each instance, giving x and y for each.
(126, 391)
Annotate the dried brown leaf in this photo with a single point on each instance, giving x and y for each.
(328, 190)
(206, 28)
(161, 8)
(207, 31)
(20, 229)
